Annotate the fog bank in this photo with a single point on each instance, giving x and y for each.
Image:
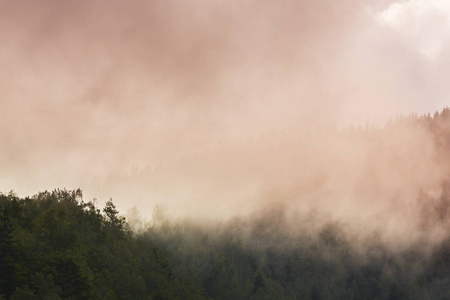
(216, 108)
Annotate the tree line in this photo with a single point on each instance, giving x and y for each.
(56, 246)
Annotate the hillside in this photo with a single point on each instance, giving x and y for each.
(54, 245)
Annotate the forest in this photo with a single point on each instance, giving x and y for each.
(56, 245)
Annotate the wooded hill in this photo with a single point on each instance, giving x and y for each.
(54, 245)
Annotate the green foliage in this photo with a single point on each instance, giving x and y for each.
(55, 246)
(233, 265)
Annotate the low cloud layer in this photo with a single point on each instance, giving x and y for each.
(214, 107)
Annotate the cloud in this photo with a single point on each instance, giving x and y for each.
(426, 23)
(121, 84)
(213, 106)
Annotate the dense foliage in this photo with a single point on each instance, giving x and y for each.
(262, 261)
(55, 246)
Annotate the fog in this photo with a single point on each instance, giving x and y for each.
(219, 108)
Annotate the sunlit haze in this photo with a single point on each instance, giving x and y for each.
(216, 108)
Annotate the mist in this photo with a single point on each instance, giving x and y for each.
(219, 109)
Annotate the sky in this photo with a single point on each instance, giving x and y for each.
(209, 106)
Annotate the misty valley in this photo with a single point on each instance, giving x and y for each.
(55, 245)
